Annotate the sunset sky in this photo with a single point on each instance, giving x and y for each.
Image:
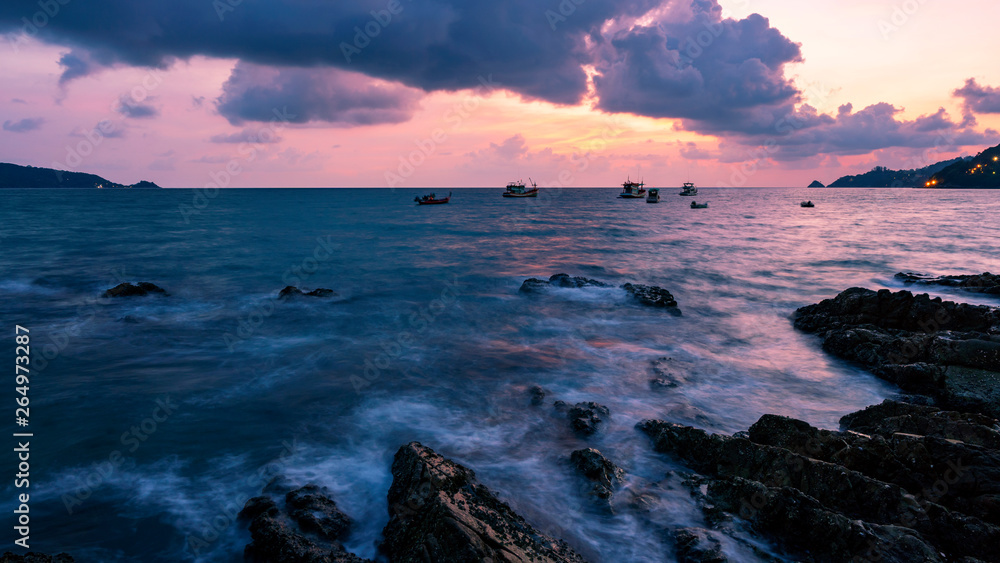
(577, 93)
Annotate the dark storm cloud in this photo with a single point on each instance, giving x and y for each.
(23, 125)
(724, 75)
(979, 99)
(432, 45)
(297, 95)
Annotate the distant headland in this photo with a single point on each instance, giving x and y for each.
(16, 176)
(979, 171)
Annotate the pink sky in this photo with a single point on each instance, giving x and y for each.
(853, 52)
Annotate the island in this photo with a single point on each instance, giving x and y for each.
(883, 177)
(816, 184)
(16, 176)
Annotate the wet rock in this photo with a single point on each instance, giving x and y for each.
(697, 545)
(947, 351)
(292, 291)
(533, 285)
(439, 512)
(979, 283)
(930, 492)
(307, 529)
(140, 289)
(652, 296)
(537, 395)
(585, 418)
(599, 470)
(32, 557)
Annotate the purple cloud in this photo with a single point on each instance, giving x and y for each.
(979, 99)
(258, 93)
(23, 125)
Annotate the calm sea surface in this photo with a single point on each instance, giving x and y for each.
(155, 418)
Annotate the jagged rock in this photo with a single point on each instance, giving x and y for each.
(292, 291)
(697, 545)
(140, 289)
(439, 512)
(948, 351)
(979, 283)
(32, 557)
(599, 470)
(585, 418)
(933, 493)
(652, 296)
(308, 529)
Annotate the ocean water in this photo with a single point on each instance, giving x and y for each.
(155, 418)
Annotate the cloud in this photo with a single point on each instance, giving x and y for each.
(23, 125)
(979, 99)
(130, 108)
(257, 93)
(248, 135)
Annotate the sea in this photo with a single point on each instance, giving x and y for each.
(154, 419)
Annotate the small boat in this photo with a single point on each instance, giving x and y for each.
(807, 204)
(653, 196)
(632, 190)
(518, 189)
(696, 205)
(431, 199)
(689, 189)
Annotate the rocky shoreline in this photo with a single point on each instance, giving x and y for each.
(913, 479)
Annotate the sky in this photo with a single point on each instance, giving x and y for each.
(457, 93)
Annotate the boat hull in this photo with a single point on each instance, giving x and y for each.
(528, 194)
(434, 201)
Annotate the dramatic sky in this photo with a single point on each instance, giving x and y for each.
(411, 93)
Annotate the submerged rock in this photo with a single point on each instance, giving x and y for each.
(308, 528)
(599, 470)
(978, 283)
(532, 285)
(537, 395)
(440, 512)
(585, 418)
(292, 291)
(647, 295)
(948, 351)
(881, 494)
(697, 545)
(140, 289)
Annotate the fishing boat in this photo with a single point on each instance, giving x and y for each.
(807, 204)
(653, 196)
(632, 190)
(519, 189)
(696, 205)
(431, 199)
(689, 189)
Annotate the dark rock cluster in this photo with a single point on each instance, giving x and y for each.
(651, 296)
(140, 289)
(292, 291)
(977, 283)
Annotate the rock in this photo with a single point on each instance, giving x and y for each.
(586, 418)
(980, 283)
(816, 184)
(652, 296)
(32, 557)
(440, 512)
(948, 351)
(927, 493)
(537, 396)
(292, 291)
(533, 285)
(599, 470)
(697, 545)
(308, 529)
(140, 289)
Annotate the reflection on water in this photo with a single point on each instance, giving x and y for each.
(430, 340)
